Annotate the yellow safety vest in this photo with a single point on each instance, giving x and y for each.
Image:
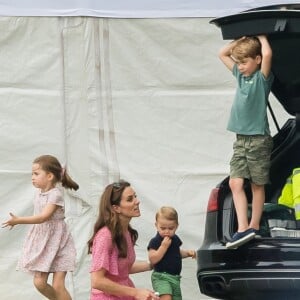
(290, 194)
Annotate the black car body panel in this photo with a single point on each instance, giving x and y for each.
(266, 267)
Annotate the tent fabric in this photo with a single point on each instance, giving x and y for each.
(131, 8)
(145, 100)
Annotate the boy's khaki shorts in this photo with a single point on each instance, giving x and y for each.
(251, 158)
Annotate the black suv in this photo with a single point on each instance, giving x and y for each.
(267, 267)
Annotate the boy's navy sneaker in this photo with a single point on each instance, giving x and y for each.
(240, 238)
(257, 234)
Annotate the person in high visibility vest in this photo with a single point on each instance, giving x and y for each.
(290, 195)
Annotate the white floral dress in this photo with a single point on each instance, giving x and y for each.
(49, 246)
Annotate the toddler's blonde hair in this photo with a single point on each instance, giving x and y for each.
(167, 212)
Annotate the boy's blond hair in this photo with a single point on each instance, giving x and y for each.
(168, 213)
(246, 47)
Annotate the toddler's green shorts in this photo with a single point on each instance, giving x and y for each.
(165, 283)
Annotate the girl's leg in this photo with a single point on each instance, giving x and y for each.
(40, 282)
(59, 286)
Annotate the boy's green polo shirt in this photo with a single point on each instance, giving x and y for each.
(249, 110)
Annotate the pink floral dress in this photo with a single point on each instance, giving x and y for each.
(105, 255)
(49, 246)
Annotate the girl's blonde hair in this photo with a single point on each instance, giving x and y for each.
(168, 213)
(50, 164)
(246, 47)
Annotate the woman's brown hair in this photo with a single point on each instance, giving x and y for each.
(108, 217)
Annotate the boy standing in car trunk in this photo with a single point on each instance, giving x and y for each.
(249, 59)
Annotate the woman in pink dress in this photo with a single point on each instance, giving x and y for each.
(112, 247)
(49, 246)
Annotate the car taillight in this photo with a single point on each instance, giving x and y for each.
(213, 200)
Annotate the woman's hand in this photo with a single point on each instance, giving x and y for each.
(144, 294)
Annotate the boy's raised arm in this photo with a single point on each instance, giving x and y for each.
(266, 52)
(225, 55)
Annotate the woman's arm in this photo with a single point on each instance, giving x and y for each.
(141, 266)
(99, 281)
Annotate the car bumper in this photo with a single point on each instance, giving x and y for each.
(262, 266)
(251, 284)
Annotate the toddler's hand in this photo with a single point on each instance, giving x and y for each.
(166, 242)
(192, 254)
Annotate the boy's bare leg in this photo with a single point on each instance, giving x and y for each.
(240, 202)
(258, 200)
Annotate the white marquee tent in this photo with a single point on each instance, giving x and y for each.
(130, 8)
(114, 89)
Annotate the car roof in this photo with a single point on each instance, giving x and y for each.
(281, 23)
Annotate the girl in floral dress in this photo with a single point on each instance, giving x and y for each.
(49, 246)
